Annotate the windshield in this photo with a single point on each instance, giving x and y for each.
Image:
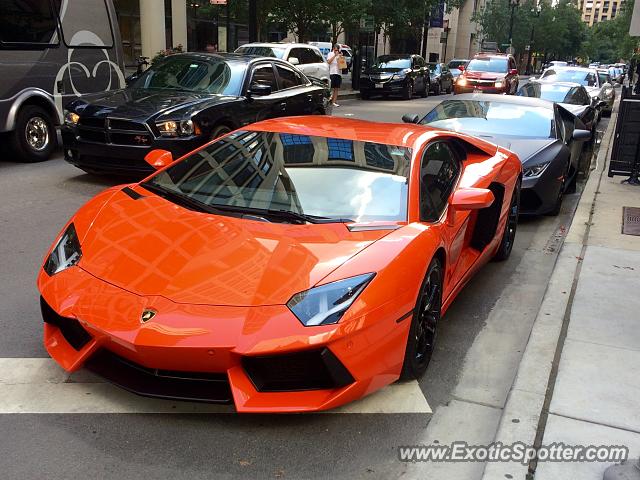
(456, 63)
(604, 77)
(389, 62)
(496, 65)
(262, 51)
(491, 118)
(584, 78)
(547, 91)
(262, 172)
(192, 74)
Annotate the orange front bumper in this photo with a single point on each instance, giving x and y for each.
(207, 339)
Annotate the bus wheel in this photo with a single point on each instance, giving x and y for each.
(34, 137)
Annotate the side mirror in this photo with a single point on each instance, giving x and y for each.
(130, 79)
(513, 71)
(411, 118)
(159, 158)
(581, 135)
(472, 199)
(294, 61)
(259, 90)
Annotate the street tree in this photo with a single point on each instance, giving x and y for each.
(609, 41)
(297, 16)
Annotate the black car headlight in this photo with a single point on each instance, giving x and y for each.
(65, 254)
(535, 170)
(71, 118)
(175, 128)
(326, 304)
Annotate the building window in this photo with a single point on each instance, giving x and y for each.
(340, 149)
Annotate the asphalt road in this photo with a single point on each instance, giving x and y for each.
(479, 347)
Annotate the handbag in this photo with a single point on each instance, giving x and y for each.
(342, 63)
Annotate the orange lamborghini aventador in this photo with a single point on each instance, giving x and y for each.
(292, 265)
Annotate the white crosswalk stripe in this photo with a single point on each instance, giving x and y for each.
(39, 385)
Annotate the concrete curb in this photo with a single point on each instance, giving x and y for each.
(524, 414)
(347, 95)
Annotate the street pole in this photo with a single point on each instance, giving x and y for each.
(513, 8)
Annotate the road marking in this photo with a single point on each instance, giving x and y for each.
(39, 385)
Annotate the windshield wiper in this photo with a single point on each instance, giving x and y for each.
(296, 217)
(180, 199)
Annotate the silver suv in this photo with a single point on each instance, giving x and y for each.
(304, 56)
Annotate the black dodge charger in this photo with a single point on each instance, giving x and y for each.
(179, 104)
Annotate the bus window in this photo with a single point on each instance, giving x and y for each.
(30, 22)
(86, 23)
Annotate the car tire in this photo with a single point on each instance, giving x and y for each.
(555, 211)
(34, 138)
(219, 131)
(407, 91)
(424, 323)
(509, 235)
(425, 91)
(364, 96)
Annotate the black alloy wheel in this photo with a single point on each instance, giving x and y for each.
(555, 211)
(509, 235)
(34, 138)
(424, 323)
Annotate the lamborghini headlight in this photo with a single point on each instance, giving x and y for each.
(535, 170)
(326, 304)
(65, 254)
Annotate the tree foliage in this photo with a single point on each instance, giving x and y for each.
(554, 30)
(609, 41)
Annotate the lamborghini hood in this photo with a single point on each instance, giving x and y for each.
(152, 247)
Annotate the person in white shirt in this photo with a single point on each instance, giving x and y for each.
(334, 73)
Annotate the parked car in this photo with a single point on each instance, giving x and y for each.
(456, 66)
(402, 75)
(572, 96)
(588, 78)
(489, 73)
(440, 78)
(310, 254)
(307, 58)
(181, 103)
(547, 138)
(52, 52)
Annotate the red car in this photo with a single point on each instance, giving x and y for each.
(489, 73)
(293, 265)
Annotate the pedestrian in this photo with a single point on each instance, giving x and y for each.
(636, 90)
(335, 74)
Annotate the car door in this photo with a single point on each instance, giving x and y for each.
(440, 170)
(566, 124)
(297, 94)
(264, 106)
(419, 67)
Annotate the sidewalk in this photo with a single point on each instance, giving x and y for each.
(579, 379)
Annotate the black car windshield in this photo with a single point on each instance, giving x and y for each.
(584, 78)
(389, 62)
(189, 73)
(267, 173)
(262, 51)
(491, 118)
(489, 64)
(457, 63)
(548, 91)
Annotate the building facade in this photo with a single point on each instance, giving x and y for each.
(594, 11)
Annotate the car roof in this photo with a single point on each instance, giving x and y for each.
(491, 55)
(227, 57)
(512, 99)
(572, 67)
(278, 45)
(398, 134)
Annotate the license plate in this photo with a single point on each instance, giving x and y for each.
(477, 90)
(379, 85)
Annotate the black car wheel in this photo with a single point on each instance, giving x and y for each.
(219, 131)
(34, 137)
(424, 323)
(407, 91)
(364, 95)
(558, 204)
(509, 235)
